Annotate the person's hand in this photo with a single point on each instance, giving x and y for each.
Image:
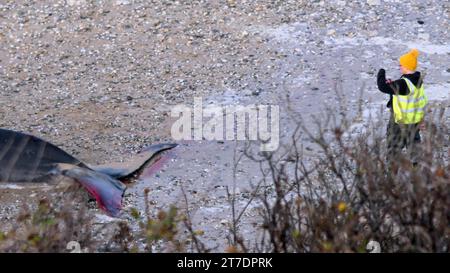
(381, 71)
(422, 126)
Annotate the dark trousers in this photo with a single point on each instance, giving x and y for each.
(400, 136)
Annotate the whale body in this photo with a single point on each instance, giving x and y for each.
(27, 158)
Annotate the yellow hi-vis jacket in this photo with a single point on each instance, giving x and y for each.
(410, 109)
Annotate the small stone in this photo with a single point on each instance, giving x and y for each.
(424, 36)
(231, 3)
(122, 2)
(373, 2)
(372, 33)
(420, 22)
(256, 92)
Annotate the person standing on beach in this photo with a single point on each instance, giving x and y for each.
(407, 106)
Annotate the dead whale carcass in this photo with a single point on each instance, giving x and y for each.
(26, 158)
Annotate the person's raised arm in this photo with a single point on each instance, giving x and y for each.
(388, 86)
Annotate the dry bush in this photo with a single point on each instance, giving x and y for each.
(336, 200)
(62, 223)
(50, 226)
(159, 231)
(347, 195)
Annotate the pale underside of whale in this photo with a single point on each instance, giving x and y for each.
(26, 158)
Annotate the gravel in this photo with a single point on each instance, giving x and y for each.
(98, 78)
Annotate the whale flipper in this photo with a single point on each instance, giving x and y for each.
(123, 170)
